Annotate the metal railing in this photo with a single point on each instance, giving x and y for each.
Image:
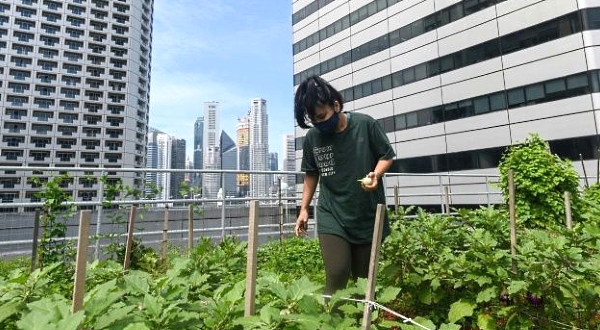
(219, 217)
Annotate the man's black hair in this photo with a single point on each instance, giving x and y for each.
(312, 93)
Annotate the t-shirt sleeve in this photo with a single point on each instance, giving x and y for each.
(308, 164)
(379, 142)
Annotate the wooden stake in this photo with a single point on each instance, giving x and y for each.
(249, 307)
(190, 228)
(374, 261)
(164, 234)
(36, 233)
(130, 229)
(569, 218)
(82, 249)
(513, 220)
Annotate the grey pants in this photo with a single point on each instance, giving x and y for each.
(342, 260)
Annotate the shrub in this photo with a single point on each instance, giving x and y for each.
(541, 178)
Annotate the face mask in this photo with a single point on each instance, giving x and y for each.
(328, 126)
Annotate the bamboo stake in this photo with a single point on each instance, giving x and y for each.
(130, 229)
(82, 245)
(190, 228)
(34, 245)
(249, 306)
(513, 220)
(164, 234)
(568, 214)
(396, 199)
(598, 166)
(374, 261)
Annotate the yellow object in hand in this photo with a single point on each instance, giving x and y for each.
(366, 180)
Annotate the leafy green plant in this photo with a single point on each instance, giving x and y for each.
(457, 270)
(7, 266)
(53, 245)
(22, 288)
(540, 178)
(291, 257)
(142, 257)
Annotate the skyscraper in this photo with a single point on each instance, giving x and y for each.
(160, 153)
(228, 162)
(198, 159)
(259, 147)
(211, 182)
(177, 162)
(211, 154)
(74, 86)
(453, 83)
(273, 166)
(243, 157)
(289, 161)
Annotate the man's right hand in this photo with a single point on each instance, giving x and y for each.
(301, 224)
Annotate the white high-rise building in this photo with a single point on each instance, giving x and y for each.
(453, 83)
(259, 147)
(289, 159)
(159, 156)
(74, 88)
(212, 181)
(211, 149)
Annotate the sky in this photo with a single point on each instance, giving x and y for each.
(229, 51)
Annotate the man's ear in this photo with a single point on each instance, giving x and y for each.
(336, 106)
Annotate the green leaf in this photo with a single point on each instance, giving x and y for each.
(424, 322)
(460, 309)
(447, 326)
(306, 322)
(486, 322)
(389, 294)
(487, 295)
(113, 315)
(152, 305)
(268, 313)
(8, 309)
(250, 322)
(302, 288)
(517, 286)
(71, 321)
(101, 298)
(137, 326)
(137, 284)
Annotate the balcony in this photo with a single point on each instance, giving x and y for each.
(90, 158)
(12, 141)
(67, 130)
(91, 132)
(64, 157)
(14, 128)
(11, 183)
(38, 143)
(14, 157)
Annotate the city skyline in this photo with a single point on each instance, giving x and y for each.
(227, 51)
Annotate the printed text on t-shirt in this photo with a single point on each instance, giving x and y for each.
(325, 160)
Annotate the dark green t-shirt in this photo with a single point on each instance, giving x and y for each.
(344, 208)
